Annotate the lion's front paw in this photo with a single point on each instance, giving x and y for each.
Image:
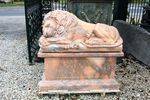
(77, 45)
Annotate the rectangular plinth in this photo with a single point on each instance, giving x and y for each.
(79, 68)
(78, 86)
(79, 73)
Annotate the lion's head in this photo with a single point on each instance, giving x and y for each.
(58, 23)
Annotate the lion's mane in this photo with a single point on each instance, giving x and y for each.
(58, 23)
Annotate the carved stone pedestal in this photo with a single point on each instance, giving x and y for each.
(79, 57)
(79, 72)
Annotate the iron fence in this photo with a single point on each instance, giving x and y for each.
(49, 5)
(34, 12)
(135, 11)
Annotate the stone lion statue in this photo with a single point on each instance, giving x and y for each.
(63, 30)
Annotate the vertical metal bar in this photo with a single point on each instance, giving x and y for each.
(54, 5)
(50, 5)
(134, 10)
(141, 10)
(138, 12)
(129, 11)
(27, 31)
(41, 14)
(59, 2)
(62, 4)
(66, 5)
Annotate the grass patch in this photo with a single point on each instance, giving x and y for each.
(12, 4)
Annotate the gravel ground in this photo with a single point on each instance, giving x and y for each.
(18, 80)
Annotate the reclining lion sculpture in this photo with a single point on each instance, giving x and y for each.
(79, 57)
(62, 30)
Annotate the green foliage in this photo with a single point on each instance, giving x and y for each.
(12, 4)
(62, 1)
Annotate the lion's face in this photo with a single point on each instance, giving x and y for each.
(49, 28)
(58, 23)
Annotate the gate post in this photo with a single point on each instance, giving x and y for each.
(33, 17)
(120, 10)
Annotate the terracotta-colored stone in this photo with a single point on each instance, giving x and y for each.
(79, 57)
(64, 31)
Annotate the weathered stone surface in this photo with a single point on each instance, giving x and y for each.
(64, 31)
(86, 58)
(136, 40)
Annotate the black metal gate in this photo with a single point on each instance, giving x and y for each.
(130, 11)
(135, 11)
(34, 12)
